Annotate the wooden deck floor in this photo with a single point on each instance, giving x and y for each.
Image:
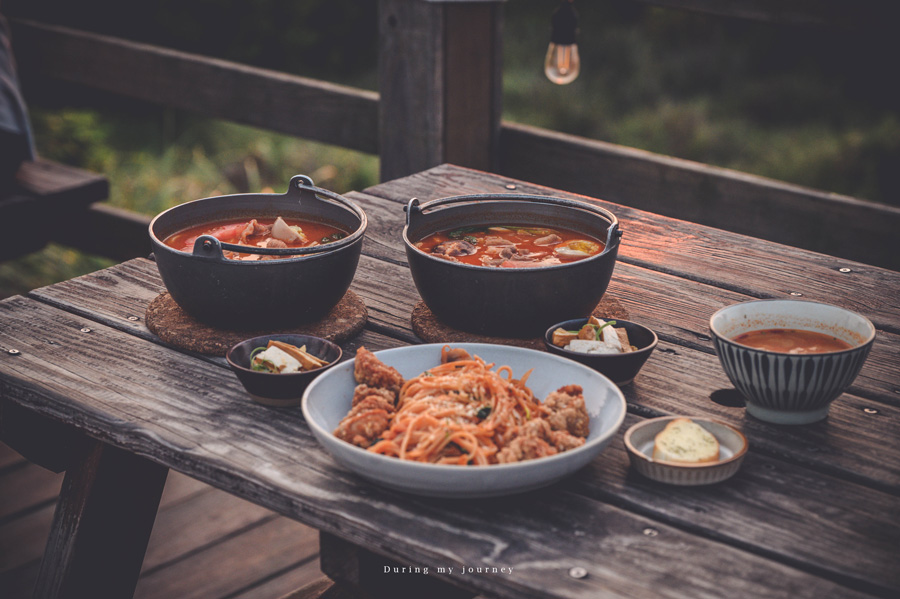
(205, 543)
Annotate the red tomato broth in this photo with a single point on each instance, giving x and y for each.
(528, 246)
(791, 341)
(229, 231)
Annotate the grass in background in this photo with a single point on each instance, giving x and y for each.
(159, 159)
(801, 105)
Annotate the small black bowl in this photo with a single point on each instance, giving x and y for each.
(280, 390)
(620, 368)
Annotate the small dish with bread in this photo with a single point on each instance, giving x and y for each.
(685, 451)
(616, 349)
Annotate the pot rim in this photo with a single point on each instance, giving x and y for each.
(614, 232)
(302, 183)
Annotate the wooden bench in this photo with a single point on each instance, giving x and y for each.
(45, 197)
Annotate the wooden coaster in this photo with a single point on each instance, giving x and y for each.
(168, 321)
(432, 330)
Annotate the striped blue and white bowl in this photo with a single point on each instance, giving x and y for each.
(790, 388)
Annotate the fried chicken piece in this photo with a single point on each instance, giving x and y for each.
(524, 448)
(539, 428)
(363, 391)
(564, 410)
(369, 370)
(563, 441)
(366, 421)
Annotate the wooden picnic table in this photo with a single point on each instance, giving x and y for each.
(812, 512)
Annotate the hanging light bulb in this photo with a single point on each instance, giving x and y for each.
(562, 63)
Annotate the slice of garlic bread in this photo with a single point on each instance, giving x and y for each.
(683, 440)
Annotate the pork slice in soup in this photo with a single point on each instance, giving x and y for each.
(511, 246)
(258, 232)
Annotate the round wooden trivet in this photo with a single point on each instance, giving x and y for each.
(168, 321)
(432, 330)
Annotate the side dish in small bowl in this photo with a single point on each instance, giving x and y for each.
(617, 349)
(685, 451)
(790, 359)
(276, 369)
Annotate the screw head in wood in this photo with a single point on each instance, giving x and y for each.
(845, 269)
(85, 330)
(870, 410)
(13, 352)
(650, 532)
(578, 572)
(796, 294)
(133, 318)
(510, 186)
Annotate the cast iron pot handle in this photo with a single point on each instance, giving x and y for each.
(207, 246)
(613, 233)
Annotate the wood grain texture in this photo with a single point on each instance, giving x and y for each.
(289, 104)
(779, 522)
(412, 86)
(824, 222)
(675, 307)
(237, 569)
(689, 377)
(747, 265)
(390, 302)
(25, 488)
(228, 441)
(101, 525)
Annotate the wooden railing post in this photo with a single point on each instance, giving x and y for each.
(439, 69)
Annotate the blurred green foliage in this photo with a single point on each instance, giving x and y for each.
(808, 106)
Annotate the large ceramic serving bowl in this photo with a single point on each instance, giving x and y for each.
(327, 400)
(301, 286)
(787, 388)
(510, 302)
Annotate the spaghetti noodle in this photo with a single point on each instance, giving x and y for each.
(463, 412)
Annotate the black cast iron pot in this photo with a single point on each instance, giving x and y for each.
(510, 302)
(300, 287)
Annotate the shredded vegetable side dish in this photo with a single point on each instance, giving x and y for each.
(462, 412)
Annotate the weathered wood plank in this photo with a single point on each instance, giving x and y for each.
(101, 525)
(27, 487)
(825, 222)
(54, 192)
(263, 98)
(676, 308)
(357, 569)
(235, 568)
(262, 467)
(276, 463)
(201, 520)
(23, 538)
(285, 583)
(747, 265)
(137, 282)
(8, 456)
(796, 506)
(848, 444)
(388, 293)
(108, 231)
